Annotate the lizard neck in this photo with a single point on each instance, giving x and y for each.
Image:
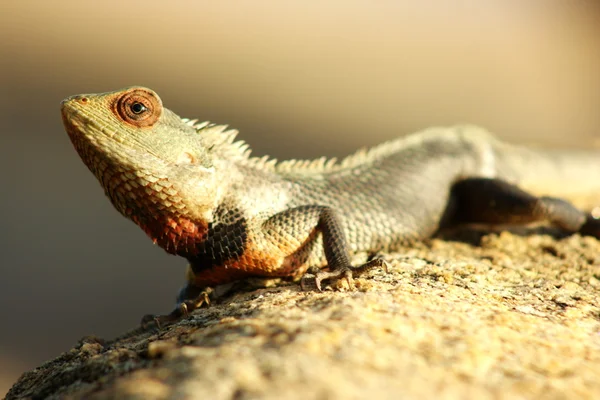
(158, 208)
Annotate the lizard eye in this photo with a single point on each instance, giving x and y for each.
(139, 107)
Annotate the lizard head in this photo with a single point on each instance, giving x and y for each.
(153, 165)
(132, 123)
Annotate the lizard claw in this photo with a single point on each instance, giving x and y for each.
(182, 310)
(346, 273)
(336, 274)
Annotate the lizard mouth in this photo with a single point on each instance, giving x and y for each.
(96, 145)
(87, 135)
(81, 122)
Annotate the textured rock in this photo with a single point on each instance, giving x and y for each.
(506, 316)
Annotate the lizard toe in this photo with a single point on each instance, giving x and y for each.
(346, 273)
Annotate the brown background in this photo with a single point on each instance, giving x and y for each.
(298, 80)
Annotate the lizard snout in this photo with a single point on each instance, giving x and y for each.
(73, 99)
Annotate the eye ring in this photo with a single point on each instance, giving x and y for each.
(139, 107)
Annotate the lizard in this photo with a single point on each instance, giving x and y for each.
(199, 194)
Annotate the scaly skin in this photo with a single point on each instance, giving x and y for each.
(199, 194)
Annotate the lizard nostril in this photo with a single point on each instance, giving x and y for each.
(83, 100)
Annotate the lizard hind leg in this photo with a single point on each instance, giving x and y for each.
(494, 201)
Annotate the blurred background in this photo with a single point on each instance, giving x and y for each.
(298, 79)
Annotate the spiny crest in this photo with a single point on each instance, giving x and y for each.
(218, 137)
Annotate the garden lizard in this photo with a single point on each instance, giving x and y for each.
(198, 193)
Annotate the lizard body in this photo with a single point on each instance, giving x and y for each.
(199, 194)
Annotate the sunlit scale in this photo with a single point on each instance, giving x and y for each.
(162, 216)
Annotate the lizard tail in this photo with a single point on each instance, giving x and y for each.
(573, 175)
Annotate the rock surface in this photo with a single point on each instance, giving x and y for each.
(484, 316)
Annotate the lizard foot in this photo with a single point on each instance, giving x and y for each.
(346, 273)
(182, 310)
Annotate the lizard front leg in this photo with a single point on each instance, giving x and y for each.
(336, 252)
(305, 221)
